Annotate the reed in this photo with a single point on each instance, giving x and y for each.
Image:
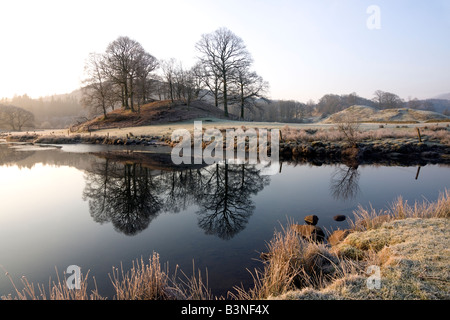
(292, 263)
(57, 290)
(369, 218)
(144, 281)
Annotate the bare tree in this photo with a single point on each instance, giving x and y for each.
(187, 84)
(168, 70)
(387, 100)
(349, 127)
(250, 86)
(378, 99)
(98, 91)
(15, 118)
(122, 74)
(124, 59)
(222, 51)
(210, 80)
(144, 68)
(191, 86)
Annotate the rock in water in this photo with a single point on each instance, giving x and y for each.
(312, 219)
(339, 217)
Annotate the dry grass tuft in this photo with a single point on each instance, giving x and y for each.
(56, 290)
(293, 263)
(144, 281)
(369, 218)
(153, 282)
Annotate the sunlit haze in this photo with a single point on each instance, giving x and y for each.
(304, 49)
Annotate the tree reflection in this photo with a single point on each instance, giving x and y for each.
(131, 195)
(179, 189)
(344, 182)
(225, 201)
(123, 194)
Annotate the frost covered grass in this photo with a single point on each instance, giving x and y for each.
(369, 218)
(333, 134)
(409, 243)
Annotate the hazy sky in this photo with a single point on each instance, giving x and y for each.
(305, 49)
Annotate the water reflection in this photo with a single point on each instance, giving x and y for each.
(130, 189)
(225, 198)
(8, 156)
(123, 194)
(130, 196)
(45, 222)
(344, 182)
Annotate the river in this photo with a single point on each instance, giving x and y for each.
(83, 205)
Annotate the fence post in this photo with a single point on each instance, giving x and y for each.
(418, 133)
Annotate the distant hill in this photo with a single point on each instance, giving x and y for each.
(445, 96)
(56, 111)
(371, 114)
(157, 112)
(439, 105)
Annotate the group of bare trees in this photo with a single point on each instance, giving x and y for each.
(387, 100)
(226, 70)
(178, 82)
(124, 76)
(118, 77)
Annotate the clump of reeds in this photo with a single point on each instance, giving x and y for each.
(144, 281)
(369, 218)
(153, 281)
(293, 262)
(57, 290)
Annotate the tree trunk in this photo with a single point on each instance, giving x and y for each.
(104, 109)
(242, 101)
(125, 96)
(171, 90)
(225, 96)
(131, 95)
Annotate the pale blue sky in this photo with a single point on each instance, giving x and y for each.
(305, 49)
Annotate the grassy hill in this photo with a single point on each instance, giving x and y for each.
(158, 112)
(370, 114)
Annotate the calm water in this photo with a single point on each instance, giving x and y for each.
(67, 206)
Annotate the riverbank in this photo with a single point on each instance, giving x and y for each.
(413, 143)
(409, 258)
(400, 253)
